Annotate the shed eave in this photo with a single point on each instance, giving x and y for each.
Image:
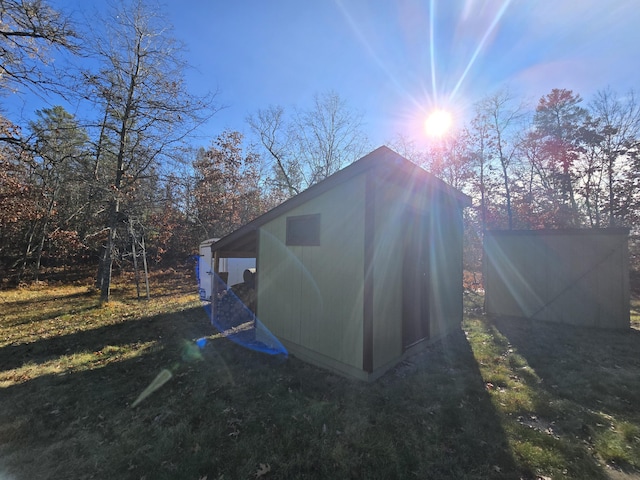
(242, 243)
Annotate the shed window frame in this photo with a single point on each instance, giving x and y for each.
(303, 230)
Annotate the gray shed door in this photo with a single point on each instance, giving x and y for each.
(415, 279)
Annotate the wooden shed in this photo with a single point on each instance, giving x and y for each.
(575, 276)
(360, 269)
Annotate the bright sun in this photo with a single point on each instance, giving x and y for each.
(438, 123)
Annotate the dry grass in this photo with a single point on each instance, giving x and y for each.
(501, 399)
(567, 396)
(635, 313)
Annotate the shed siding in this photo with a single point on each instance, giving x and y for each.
(523, 284)
(577, 277)
(312, 295)
(446, 236)
(387, 292)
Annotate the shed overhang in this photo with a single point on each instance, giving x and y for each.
(242, 243)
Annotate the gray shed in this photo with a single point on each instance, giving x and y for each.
(575, 276)
(360, 269)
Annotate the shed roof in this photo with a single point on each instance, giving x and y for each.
(243, 241)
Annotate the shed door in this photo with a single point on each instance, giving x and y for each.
(415, 279)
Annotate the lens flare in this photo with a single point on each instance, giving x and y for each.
(438, 123)
(163, 377)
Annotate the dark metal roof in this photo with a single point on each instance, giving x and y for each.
(243, 241)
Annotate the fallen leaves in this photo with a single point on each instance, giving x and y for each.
(233, 421)
(263, 470)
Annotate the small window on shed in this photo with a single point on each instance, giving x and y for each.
(303, 230)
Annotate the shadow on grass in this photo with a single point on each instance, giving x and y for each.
(51, 315)
(228, 411)
(11, 304)
(165, 328)
(587, 384)
(54, 305)
(79, 424)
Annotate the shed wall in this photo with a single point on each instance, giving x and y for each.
(577, 277)
(312, 296)
(446, 236)
(387, 272)
(445, 247)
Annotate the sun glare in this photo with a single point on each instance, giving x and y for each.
(438, 123)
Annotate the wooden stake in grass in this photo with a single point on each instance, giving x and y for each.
(163, 377)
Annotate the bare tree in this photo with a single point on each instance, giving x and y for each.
(503, 124)
(447, 157)
(29, 30)
(146, 110)
(478, 134)
(408, 147)
(275, 135)
(311, 144)
(329, 136)
(618, 128)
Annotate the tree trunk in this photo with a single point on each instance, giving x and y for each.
(27, 251)
(43, 235)
(107, 263)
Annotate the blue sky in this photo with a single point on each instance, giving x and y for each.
(378, 54)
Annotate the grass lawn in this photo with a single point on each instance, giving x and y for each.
(508, 399)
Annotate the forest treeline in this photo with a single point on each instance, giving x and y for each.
(83, 190)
